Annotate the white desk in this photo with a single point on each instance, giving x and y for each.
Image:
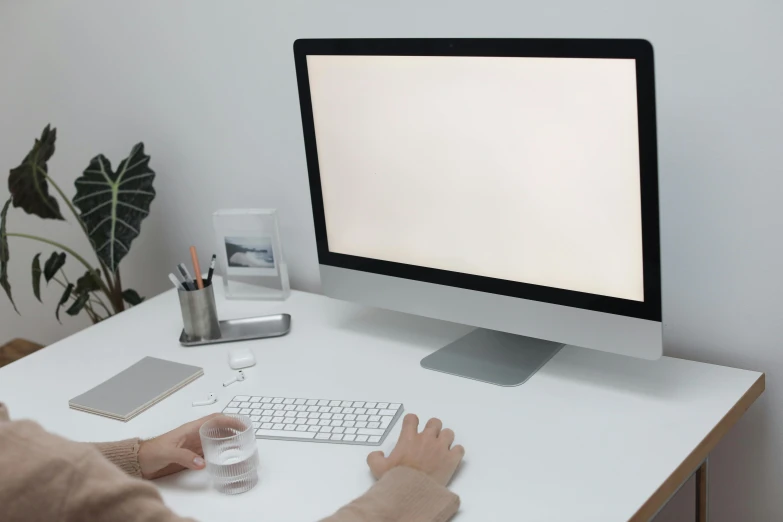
(591, 437)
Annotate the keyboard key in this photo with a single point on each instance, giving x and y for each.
(370, 404)
(300, 421)
(338, 416)
(257, 411)
(349, 424)
(266, 418)
(324, 409)
(233, 404)
(278, 407)
(290, 427)
(245, 411)
(338, 430)
(289, 407)
(288, 401)
(268, 412)
(312, 408)
(394, 407)
(255, 399)
(326, 429)
(311, 402)
(314, 415)
(367, 431)
(301, 428)
(266, 425)
(277, 400)
(361, 411)
(336, 437)
(287, 434)
(336, 423)
(373, 424)
(244, 404)
(385, 421)
(387, 412)
(348, 410)
(278, 426)
(323, 436)
(301, 407)
(361, 438)
(312, 422)
(277, 419)
(256, 424)
(323, 402)
(231, 410)
(358, 404)
(361, 424)
(290, 414)
(302, 414)
(336, 409)
(299, 401)
(255, 418)
(350, 438)
(324, 422)
(362, 417)
(241, 398)
(351, 431)
(350, 417)
(334, 403)
(266, 400)
(372, 411)
(374, 418)
(383, 405)
(346, 404)
(314, 429)
(374, 439)
(326, 415)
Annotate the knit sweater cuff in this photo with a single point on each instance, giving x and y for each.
(412, 495)
(124, 454)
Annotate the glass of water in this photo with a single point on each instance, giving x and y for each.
(231, 454)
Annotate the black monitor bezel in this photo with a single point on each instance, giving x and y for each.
(639, 50)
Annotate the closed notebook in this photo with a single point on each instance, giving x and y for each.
(132, 391)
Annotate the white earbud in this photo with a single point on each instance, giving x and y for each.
(211, 399)
(240, 376)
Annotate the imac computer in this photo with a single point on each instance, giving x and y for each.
(507, 184)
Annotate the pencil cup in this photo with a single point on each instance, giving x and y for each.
(199, 313)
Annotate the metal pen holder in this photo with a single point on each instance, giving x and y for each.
(199, 313)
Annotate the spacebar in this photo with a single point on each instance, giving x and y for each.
(286, 434)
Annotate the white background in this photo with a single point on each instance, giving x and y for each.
(210, 88)
(523, 169)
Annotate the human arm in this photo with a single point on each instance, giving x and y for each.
(412, 480)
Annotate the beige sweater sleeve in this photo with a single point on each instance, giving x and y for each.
(124, 454)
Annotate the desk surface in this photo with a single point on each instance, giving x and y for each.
(590, 437)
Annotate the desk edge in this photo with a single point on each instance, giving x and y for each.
(692, 462)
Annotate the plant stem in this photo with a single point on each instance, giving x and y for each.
(94, 298)
(79, 258)
(94, 317)
(105, 269)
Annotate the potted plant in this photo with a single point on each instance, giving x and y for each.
(109, 206)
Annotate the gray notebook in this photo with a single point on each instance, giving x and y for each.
(132, 391)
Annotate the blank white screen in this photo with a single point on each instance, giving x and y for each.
(523, 169)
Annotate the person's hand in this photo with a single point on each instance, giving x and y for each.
(173, 451)
(429, 451)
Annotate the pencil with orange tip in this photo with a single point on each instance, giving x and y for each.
(194, 256)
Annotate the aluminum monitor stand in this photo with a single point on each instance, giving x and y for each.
(494, 357)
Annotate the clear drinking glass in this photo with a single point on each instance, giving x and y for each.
(231, 454)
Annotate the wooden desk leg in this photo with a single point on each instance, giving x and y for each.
(702, 490)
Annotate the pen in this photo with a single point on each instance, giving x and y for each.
(211, 268)
(196, 268)
(184, 271)
(176, 282)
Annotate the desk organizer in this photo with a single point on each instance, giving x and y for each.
(243, 330)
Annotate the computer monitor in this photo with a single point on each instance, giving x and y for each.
(507, 184)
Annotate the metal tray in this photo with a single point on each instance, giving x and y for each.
(246, 329)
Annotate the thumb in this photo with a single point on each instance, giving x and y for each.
(378, 464)
(187, 459)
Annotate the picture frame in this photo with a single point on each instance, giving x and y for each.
(250, 254)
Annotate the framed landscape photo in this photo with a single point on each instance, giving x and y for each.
(250, 254)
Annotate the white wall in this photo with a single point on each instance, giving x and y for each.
(210, 88)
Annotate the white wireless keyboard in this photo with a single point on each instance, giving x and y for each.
(318, 420)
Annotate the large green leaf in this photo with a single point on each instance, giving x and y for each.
(113, 204)
(63, 299)
(4, 255)
(37, 276)
(27, 182)
(53, 265)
